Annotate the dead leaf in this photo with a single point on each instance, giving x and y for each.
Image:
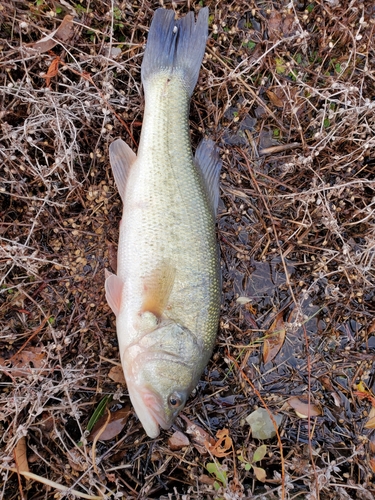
(288, 25)
(20, 455)
(371, 445)
(274, 339)
(370, 424)
(326, 383)
(204, 479)
(22, 363)
(276, 101)
(363, 393)
(280, 25)
(116, 423)
(274, 25)
(77, 460)
(111, 477)
(52, 70)
(243, 300)
(116, 373)
(259, 473)
(199, 436)
(303, 409)
(372, 464)
(177, 441)
(61, 34)
(46, 422)
(336, 399)
(361, 387)
(223, 445)
(371, 328)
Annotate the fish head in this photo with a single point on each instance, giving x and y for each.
(164, 370)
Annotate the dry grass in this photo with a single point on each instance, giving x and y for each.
(287, 90)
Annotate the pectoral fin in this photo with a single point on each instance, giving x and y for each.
(157, 289)
(121, 157)
(113, 292)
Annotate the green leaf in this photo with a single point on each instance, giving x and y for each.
(280, 65)
(310, 7)
(117, 13)
(99, 411)
(326, 123)
(249, 45)
(260, 453)
(58, 10)
(247, 466)
(338, 68)
(81, 9)
(213, 468)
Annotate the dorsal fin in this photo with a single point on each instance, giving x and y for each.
(208, 161)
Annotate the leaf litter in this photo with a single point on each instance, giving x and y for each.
(62, 34)
(262, 426)
(274, 339)
(304, 409)
(286, 90)
(112, 426)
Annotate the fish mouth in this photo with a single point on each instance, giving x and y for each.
(149, 410)
(155, 408)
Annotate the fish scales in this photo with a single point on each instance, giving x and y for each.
(175, 221)
(166, 295)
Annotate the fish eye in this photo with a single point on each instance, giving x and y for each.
(175, 400)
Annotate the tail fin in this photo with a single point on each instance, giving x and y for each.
(176, 45)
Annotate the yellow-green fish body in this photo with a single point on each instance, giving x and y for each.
(166, 295)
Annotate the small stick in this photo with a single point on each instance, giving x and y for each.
(278, 149)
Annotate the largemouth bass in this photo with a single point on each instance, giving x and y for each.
(166, 295)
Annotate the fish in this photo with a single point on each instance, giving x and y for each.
(166, 294)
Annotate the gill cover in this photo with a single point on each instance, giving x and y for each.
(163, 373)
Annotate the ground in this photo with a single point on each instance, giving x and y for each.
(287, 91)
